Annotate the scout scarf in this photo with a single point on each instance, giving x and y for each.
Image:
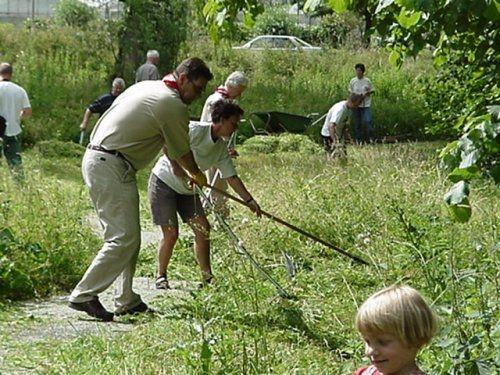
(171, 82)
(222, 90)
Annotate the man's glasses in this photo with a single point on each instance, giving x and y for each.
(198, 88)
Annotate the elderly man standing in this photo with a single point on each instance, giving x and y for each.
(148, 71)
(146, 117)
(14, 105)
(102, 103)
(234, 86)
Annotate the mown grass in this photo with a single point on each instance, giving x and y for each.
(383, 205)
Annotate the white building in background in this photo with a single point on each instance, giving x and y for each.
(18, 10)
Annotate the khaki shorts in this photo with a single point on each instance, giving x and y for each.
(166, 203)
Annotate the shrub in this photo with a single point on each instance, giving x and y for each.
(74, 13)
(276, 21)
(57, 149)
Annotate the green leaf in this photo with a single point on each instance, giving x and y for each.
(457, 194)
(469, 158)
(311, 5)
(383, 4)
(494, 110)
(408, 19)
(395, 58)
(440, 60)
(464, 174)
(458, 202)
(492, 11)
(339, 6)
(495, 173)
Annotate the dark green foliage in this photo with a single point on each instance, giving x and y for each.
(276, 21)
(150, 24)
(74, 13)
(475, 154)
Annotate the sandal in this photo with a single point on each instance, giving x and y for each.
(162, 282)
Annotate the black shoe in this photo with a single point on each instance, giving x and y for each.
(139, 309)
(93, 308)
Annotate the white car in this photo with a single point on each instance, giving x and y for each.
(278, 43)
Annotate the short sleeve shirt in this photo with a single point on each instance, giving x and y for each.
(13, 99)
(102, 104)
(361, 86)
(147, 72)
(207, 154)
(336, 114)
(206, 114)
(141, 120)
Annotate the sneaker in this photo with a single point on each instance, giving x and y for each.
(93, 308)
(162, 282)
(139, 309)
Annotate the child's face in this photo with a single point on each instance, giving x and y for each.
(388, 354)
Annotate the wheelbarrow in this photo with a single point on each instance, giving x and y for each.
(279, 122)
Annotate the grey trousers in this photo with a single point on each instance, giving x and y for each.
(113, 190)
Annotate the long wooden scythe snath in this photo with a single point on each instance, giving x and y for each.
(293, 227)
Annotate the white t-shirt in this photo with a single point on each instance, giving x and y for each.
(207, 154)
(361, 86)
(13, 99)
(206, 114)
(336, 114)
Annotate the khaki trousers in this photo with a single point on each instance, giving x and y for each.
(113, 190)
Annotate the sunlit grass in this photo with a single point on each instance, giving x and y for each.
(383, 205)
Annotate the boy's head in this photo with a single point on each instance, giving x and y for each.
(400, 311)
(360, 70)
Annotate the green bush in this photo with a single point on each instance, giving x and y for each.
(74, 13)
(276, 21)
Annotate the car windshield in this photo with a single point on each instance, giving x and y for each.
(301, 43)
(271, 42)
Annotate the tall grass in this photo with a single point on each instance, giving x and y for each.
(304, 83)
(63, 69)
(382, 206)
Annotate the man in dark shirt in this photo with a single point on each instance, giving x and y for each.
(101, 104)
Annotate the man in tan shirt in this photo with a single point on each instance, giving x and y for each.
(146, 117)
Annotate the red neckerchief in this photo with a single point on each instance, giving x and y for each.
(171, 82)
(222, 90)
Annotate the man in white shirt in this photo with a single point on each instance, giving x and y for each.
(234, 86)
(363, 119)
(170, 193)
(14, 105)
(334, 131)
(148, 71)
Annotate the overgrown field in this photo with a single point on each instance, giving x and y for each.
(383, 205)
(64, 69)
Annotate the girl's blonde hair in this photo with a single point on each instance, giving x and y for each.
(398, 310)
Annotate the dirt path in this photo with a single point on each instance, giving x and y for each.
(51, 319)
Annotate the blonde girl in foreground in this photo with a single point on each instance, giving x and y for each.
(395, 323)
